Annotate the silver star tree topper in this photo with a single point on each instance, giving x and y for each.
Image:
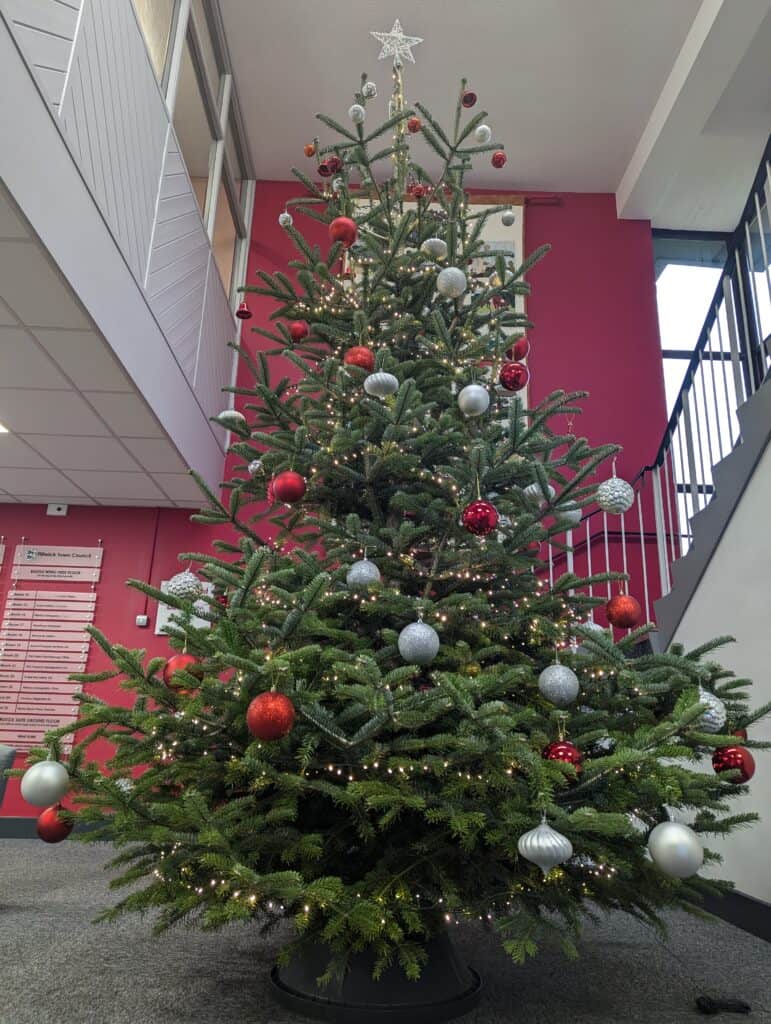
(396, 44)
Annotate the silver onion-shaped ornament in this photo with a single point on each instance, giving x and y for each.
(357, 113)
(285, 219)
(559, 684)
(436, 248)
(45, 783)
(473, 400)
(185, 585)
(534, 493)
(254, 467)
(451, 282)
(418, 643)
(369, 89)
(615, 496)
(380, 385)
(675, 849)
(714, 718)
(545, 846)
(508, 217)
(568, 516)
(362, 574)
(231, 419)
(483, 133)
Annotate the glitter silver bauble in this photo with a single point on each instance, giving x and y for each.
(201, 608)
(231, 419)
(369, 89)
(474, 400)
(569, 516)
(451, 282)
(124, 785)
(545, 846)
(380, 385)
(436, 248)
(534, 493)
(338, 185)
(675, 849)
(615, 495)
(185, 585)
(357, 113)
(508, 217)
(418, 643)
(45, 783)
(483, 133)
(362, 574)
(559, 684)
(285, 219)
(254, 467)
(714, 718)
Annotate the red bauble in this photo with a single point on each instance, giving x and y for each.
(519, 350)
(298, 329)
(414, 125)
(513, 376)
(469, 98)
(480, 517)
(741, 733)
(243, 312)
(498, 302)
(335, 163)
(269, 495)
(309, 149)
(498, 158)
(623, 611)
(417, 191)
(324, 169)
(360, 356)
(563, 750)
(50, 827)
(345, 230)
(734, 759)
(270, 716)
(288, 486)
(178, 663)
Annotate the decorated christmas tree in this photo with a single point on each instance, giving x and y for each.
(392, 720)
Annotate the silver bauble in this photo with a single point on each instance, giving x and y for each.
(569, 516)
(357, 113)
(714, 718)
(254, 467)
(508, 217)
(451, 282)
(436, 248)
(534, 493)
(483, 133)
(640, 826)
(185, 585)
(125, 785)
(615, 495)
(362, 574)
(285, 219)
(675, 849)
(338, 185)
(559, 684)
(380, 385)
(418, 643)
(545, 846)
(474, 400)
(45, 783)
(369, 89)
(231, 419)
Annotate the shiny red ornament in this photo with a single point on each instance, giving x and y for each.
(335, 163)
(288, 486)
(179, 663)
(417, 191)
(732, 759)
(270, 716)
(298, 329)
(309, 149)
(361, 356)
(51, 828)
(343, 229)
(498, 302)
(469, 98)
(414, 125)
(623, 611)
(741, 733)
(519, 350)
(243, 312)
(325, 169)
(480, 517)
(513, 376)
(498, 159)
(563, 750)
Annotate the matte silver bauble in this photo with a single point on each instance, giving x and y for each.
(451, 282)
(545, 846)
(254, 467)
(483, 133)
(185, 585)
(615, 495)
(474, 400)
(714, 718)
(436, 248)
(231, 419)
(534, 493)
(559, 684)
(362, 574)
(45, 783)
(508, 217)
(568, 516)
(369, 89)
(675, 849)
(357, 113)
(380, 385)
(285, 219)
(418, 643)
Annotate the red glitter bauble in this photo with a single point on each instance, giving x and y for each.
(360, 356)
(288, 486)
(469, 98)
(179, 663)
(480, 517)
(309, 149)
(324, 169)
(563, 750)
(335, 163)
(417, 191)
(513, 376)
(733, 759)
(298, 329)
(519, 350)
(414, 125)
(243, 312)
(343, 229)
(270, 716)
(623, 611)
(50, 827)
(498, 159)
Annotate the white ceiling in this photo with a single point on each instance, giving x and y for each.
(79, 432)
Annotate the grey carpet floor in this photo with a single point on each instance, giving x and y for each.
(58, 967)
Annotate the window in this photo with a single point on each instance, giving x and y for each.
(156, 18)
(192, 129)
(224, 238)
(233, 160)
(208, 57)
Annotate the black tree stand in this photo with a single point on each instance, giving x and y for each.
(447, 988)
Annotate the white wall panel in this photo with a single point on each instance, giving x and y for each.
(44, 30)
(215, 359)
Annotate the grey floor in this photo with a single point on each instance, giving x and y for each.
(58, 967)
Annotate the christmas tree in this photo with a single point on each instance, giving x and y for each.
(392, 720)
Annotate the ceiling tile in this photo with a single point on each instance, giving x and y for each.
(94, 453)
(116, 485)
(23, 364)
(6, 316)
(15, 453)
(48, 412)
(142, 502)
(47, 499)
(127, 415)
(36, 293)
(156, 456)
(86, 359)
(11, 224)
(37, 481)
(180, 487)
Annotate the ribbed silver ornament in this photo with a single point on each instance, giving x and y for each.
(545, 846)
(534, 493)
(714, 718)
(380, 385)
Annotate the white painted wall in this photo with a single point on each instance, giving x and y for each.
(733, 598)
